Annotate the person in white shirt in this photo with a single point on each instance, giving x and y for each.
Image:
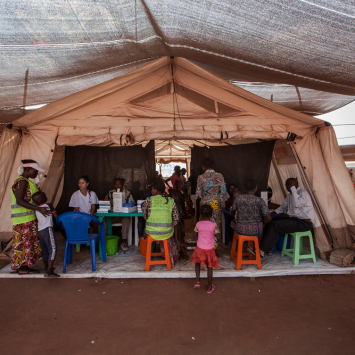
(46, 233)
(298, 217)
(85, 200)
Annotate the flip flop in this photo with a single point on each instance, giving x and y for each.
(32, 271)
(197, 285)
(51, 274)
(212, 289)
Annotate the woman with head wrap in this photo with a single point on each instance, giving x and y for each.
(162, 218)
(26, 247)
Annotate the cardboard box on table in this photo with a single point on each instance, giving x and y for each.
(117, 201)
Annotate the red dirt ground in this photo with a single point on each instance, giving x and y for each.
(279, 315)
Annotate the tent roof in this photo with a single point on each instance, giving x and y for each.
(70, 46)
(168, 98)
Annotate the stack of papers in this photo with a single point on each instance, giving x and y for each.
(129, 209)
(139, 205)
(104, 207)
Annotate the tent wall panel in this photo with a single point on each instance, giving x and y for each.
(339, 175)
(277, 196)
(36, 144)
(310, 154)
(292, 170)
(59, 192)
(55, 174)
(9, 141)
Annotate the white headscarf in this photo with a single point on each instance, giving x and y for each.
(20, 169)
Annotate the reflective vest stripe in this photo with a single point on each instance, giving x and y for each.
(18, 206)
(159, 233)
(151, 224)
(14, 215)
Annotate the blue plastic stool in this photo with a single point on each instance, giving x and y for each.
(280, 243)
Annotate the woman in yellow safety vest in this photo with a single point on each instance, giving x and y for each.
(26, 247)
(162, 217)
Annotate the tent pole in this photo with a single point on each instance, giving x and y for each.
(299, 97)
(25, 92)
(308, 186)
(216, 107)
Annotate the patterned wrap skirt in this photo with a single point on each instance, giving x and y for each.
(251, 229)
(26, 247)
(173, 250)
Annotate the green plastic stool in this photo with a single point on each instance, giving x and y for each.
(297, 252)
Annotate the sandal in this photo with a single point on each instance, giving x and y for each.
(29, 271)
(51, 274)
(212, 289)
(197, 285)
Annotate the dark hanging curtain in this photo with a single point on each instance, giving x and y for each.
(102, 165)
(236, 163)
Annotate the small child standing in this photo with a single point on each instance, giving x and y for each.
(204, 253)
(46, 233)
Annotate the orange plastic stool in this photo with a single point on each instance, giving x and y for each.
(238, 256)
(234, 253)
(149, 254)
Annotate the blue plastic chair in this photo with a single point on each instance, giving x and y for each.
(76, 225)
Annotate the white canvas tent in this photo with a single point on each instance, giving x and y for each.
(174, 99)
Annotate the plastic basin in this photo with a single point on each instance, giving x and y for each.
(111, 244)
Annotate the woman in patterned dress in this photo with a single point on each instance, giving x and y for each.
(26, 247)
(180, 204)
(252, 212)
(211, 189)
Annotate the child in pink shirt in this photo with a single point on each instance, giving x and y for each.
(204, 253)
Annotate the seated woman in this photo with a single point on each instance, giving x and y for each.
(159, 210)
(119, 187)
(84, 200)
(250, 210)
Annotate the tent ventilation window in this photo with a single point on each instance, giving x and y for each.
(190, 95)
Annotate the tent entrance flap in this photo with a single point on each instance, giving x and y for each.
(102, 165)
(236, 163)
